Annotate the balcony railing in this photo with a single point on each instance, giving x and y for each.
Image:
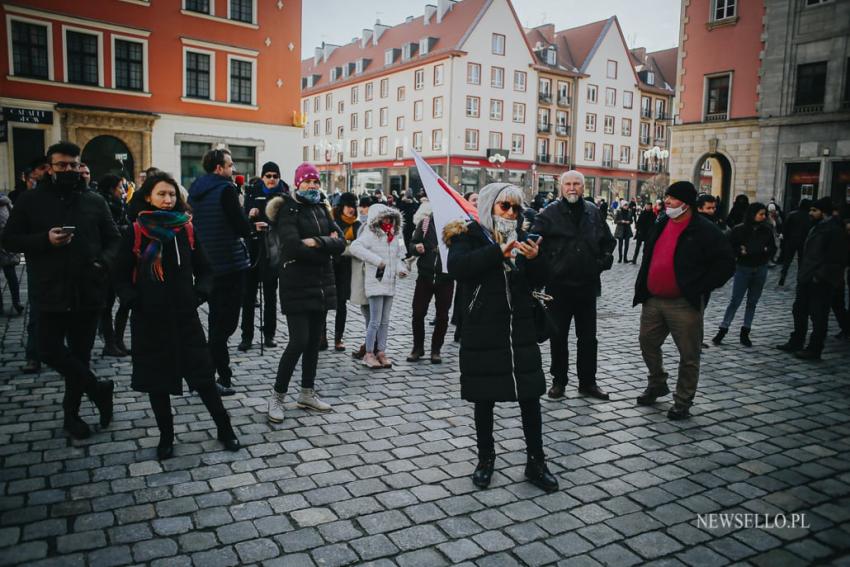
(543, 158)
(607, 163)
(565, 101)
(660, 142)
(544, 128)
(808, 108)
(646, 113)
(716, 116)
(562, 130)
(545, 98)
(644, 140)
(561, 160)
(662, 116)
(643, 167)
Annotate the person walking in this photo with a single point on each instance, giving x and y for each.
(112, 330)
(161, 272)
(498, 267)
(381, 247)
(643, 226)
(222, 227)
(345, 216)
(308, 239)
(9, 262)
(261, 272)
(623, 220)
(577, 246)
(686, 258)
(69, 239)
(797, 226)
(754, 246)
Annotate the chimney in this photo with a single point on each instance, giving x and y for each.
(379, 31)
(430, 10)
(317, 58)
(640, 53)
(367, 35)
(443, 7)
(408, 19)
(328, 49)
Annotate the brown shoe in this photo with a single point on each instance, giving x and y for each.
(371, 361)
(339, 346)
(415, 355)
(556, 391)
(359, 353)
(385, 362)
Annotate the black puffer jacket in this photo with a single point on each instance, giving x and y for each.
(824, 254)
(71, 277)
(757, 240)
(306, 274)
(644, 223)
(499, 357)
(429, 266)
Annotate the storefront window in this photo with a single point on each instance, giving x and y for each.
(244, 160)
(495, 176)
(191, 157)
(367, 182)
(469, 179)
(590, 187)
(802, 183)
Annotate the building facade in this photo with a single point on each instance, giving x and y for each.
(139, 83)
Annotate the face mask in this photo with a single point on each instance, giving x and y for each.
(311, 196)
(676, 212)
(505, 227)
(66, 178)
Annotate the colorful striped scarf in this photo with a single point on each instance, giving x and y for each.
(159, 227)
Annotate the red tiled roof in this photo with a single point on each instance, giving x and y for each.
(666, 61)
(580, 40)
(662, 64)
(546, 36)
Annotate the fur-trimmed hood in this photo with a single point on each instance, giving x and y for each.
(454, 228)
(274, 206)
(379, 211)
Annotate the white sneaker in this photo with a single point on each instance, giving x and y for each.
(276, 407)
(309, 400)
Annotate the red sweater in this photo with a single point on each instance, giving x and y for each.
(662, 274)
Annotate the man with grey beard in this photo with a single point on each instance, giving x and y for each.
(578, 246)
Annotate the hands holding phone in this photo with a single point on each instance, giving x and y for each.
(61, 235)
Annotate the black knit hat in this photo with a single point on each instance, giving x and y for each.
(366, 201)
(824, 205)
(270, 166)
(347, 200)
(684, 191)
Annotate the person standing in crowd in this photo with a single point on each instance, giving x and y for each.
(643, 227)
(85, 175)
(707, 207)
(381, 247)
(358, 275)
(797, 226)
(819, 274)
(109, 188)
(161, 272)
(69, 239)
(308, 240)
(499, 266)
(407, 206)
(839, 307)
(578, 247)
(345, 216)
(261, 272)
(431, 281)
(753, 245)
(686, 257)
(623, 220)
(36, 171)
(9, 261)
(738, 212)
(775, 222)
(223, 228)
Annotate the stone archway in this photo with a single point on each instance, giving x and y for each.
(716, 180)
(108, 155)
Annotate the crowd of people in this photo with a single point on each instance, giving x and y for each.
(515, 278)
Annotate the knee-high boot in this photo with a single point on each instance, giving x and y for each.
(161, 406)
(225, 433)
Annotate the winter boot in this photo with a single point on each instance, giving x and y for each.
(359, 353)
(745, 337)
(718, 338)
(484, 471)
(101, 396)
(309, 400)
(538, 474)
(275, 410)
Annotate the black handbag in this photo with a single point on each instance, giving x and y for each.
(544, 324)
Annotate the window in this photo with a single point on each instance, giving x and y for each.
(660, 108)
(589, 151)
(242, 11)
(519, 112)
(562, 119)
(560, 151)
(495, 140)
(625, 154)
(650, 78)
(609, 124)
(437, 140)
(628, 97)
(384, 116)
(191, 158)
(352, 151)
(129, 65)
(816, 2)
(473, 74)
(438, 75)
(82, 58)
(354, 121)
(611, 69)
(564, 93)
(328, 126)
(590, 122)
(316, 104)
(437, 110)
(543, 118)
(399, 95)
(417, 141)
(316, 127)
(30, 50)
(659, 132)
(315, 153)
(399, 152)
(385, 88)
(355, 95)
(497, 43)
(305, 153)
(717, 98)
(418, 110)
(520, 80)
(305, 105)
(367, 119)
(473, 106)
(369, 91)
(399, 123)
(340, 107)
(626, 125)
(329, 101)
(340, 133)
(497, 77)
(591, 93)
(198, 75)
(367, 147)
(496, 109)
(551, 55)
(543, 149)
(610, 97)
(389, 57)
(383, 144)
(419, 79)
(607, 155)
(722, 9)
(202, 6)
(408, 50)
(811, 87)
(517, 143)
(241, 82)
(644, 133)
(544, 87)
(471, 140)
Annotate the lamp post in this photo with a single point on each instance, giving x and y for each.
(498, 160)
(656, 155)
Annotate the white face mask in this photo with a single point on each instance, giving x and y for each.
(676, 212)
(505, 227)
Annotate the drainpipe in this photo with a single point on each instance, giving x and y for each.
(449, 129)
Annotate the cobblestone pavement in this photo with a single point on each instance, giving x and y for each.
(384, 479)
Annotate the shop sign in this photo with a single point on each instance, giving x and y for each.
(27, 115)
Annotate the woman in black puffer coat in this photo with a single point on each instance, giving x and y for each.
(307, 238)
(499, 357)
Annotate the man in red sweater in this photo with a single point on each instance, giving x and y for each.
(686, 257)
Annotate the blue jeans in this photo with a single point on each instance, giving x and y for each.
(750, 281)
(380, 307)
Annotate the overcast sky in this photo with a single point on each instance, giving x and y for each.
(653, 24)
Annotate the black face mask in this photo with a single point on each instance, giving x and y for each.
(66, 178)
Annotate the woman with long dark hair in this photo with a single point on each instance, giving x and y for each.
(163, 275)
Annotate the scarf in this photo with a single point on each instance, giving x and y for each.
(387, 227)
(348, 221)
(160, 227)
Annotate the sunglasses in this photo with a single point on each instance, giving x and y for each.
(505, 207)
(271, 176)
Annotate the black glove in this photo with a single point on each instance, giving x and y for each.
(606, 262)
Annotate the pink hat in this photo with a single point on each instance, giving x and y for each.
(304, 172)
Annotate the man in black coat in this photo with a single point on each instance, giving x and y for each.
(819, 274)
(578, 245)
(686, 257)
(643, 227)
(69, 240)
(794, 233)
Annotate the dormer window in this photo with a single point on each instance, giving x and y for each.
(650, 78)
(345, 72)
(425, 45)
(334, 74)
(361, 65)
(408, 51)
(550, 55)
(390, 56)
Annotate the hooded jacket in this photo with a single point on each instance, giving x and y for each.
(225, 247)
(373, 248)
(824, 254)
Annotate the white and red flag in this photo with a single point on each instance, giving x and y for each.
(447, 204)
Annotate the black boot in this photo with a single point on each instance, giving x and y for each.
(718, 338)
(745, 337)
(161, 406)
(538, 474)
(245, 344)
(224, 430)
(484, 471)
(76, 427)
(101, 396)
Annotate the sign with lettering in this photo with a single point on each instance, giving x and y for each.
(28, 115)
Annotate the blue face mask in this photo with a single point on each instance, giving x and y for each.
(311, 196)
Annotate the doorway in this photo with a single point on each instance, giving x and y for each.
(716, 176)
(802, 181)
(27, 146)
(108, 155)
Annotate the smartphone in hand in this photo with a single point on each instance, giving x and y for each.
(379, 273)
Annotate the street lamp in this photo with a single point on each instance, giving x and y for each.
(656, 155)
(497, 159)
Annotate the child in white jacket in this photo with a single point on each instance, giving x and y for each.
(381, 246)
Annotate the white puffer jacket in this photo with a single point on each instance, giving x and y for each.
(372, 248)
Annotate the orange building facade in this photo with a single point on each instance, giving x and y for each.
(140, 83)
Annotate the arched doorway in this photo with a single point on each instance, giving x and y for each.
(713, 175)
(108, 154)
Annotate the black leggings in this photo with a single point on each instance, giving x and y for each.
(161, 406)
(305, 331)
(532, 427)
(623, 248)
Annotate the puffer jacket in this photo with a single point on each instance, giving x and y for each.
(373, 248)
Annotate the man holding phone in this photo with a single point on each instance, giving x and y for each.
(69, 238)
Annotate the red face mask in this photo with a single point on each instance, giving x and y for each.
(387, 227)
